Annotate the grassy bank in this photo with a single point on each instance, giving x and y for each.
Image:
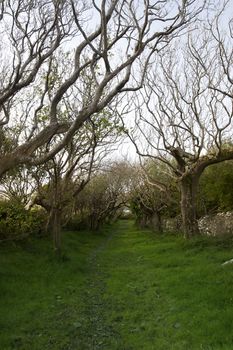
(123, 289)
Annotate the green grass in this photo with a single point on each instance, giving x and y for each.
(124, 289)
(41, 298)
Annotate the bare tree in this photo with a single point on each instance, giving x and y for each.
(186, 119)
(111, 42)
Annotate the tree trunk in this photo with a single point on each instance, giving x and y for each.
(56, 230)
(156, 222)
(143, 221)
(93, 222)
(56, 211)
(189, 186)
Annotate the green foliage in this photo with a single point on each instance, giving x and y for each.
(17, 222)
(92, 203)
(104, 196)
(215, 190)
(7, 139)
(77, 222)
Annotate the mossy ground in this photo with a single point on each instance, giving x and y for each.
(121, 289)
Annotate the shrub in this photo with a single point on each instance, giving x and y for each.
(215, 190)
(17, 222)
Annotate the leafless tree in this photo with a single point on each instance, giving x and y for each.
(186, 117)
(111, 42)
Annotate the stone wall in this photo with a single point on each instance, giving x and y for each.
(211, 225)
(218, 224)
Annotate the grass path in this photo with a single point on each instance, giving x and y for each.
(95, 332)
(152, 292)
(124, 289)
